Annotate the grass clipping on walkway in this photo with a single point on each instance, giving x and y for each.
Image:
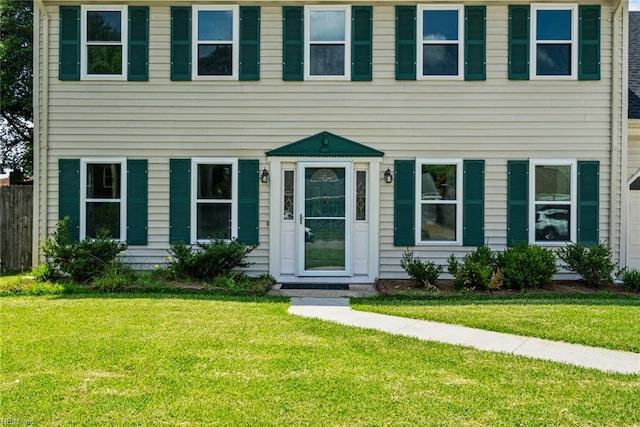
(202, 360)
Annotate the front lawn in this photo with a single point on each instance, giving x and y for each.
(601, 320)
(201, 360)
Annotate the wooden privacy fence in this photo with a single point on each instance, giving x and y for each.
(16, 227)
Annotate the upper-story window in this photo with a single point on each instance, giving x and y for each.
(554, 35)
(215, 48)
(440, 36)
(104, 41)
(327, 38)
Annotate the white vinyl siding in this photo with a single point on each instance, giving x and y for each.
(496, 120)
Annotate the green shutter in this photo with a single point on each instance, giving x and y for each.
(292, 43)
(249, 43)
(69, 195)
(180, 43)
(180, 200)
(248, 201)
(518, 42)
(405, 42)
(589, 43)
(588, 202)
(137, 206)
(69, 54)
(473, 203)
(475, 42)
(138, 49)
(517, 201)
(404, 224)
(361, 43)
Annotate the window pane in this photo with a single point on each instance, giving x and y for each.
(553, 25)
(327, 60)
(438, 222)
(553, 60)
(327, 26)
(215, 60)
(103, 181)
(104, 59)
(103, 218)
(553, 222)
(104, 26)
(214, 182)
(288, 196)
(438, 182)
(215, 25)
(214, 221)
(361, 195)
(553, 182)
(440, 60)
(440, 25)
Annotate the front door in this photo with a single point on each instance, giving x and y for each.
(324, 229)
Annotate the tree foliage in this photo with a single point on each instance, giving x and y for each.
(16, 81)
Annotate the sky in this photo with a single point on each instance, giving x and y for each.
(634, 4)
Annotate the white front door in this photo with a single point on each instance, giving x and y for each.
(324, 218)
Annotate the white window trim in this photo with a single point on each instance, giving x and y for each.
(573, 205)
(534, 41)
(122, 200)
(457, 202)
(347, 41)
(194, 194)
(459, 42)
(235, 44)
(124, 42)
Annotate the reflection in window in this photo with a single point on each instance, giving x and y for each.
(215, 36)
(553, 35)
(552, 202)
(103, 200)
(214, 201)
(104, 42)
(440, 42)
(438, 202)
(328, 35)
(289, 187)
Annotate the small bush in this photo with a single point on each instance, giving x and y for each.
(630, 278)
(85, 260)
(421, 273)
(210, 260)
(593, 263)
(474, 271)
(115, 275)
(43, 273)
(527, 266)
(240, 283)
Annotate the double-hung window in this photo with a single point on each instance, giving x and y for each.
(103, 198)
(553, 201)
(328, 42)
(104, 42)
(214, 212)
(554, 35)
(215, 48)
(439, 213)
(440, 36)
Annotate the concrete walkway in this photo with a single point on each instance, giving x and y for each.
(338, 310)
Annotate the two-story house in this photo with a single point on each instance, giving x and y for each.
(333, 135)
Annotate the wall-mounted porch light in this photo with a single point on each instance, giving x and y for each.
(264, 176)
(388, 176)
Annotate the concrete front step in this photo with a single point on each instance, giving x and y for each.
(354, 291)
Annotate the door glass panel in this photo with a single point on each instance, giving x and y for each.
(324, 226)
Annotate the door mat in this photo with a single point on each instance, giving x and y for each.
(322, 286)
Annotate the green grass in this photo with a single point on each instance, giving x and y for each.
(201, 360)
(601, 320)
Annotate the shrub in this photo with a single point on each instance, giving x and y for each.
(474, 271)
(527, 266)
(210, 260)
(421, 273)
(630, 278)
(593, 263)
(115, 275)
(85, 260)
(43, 273)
